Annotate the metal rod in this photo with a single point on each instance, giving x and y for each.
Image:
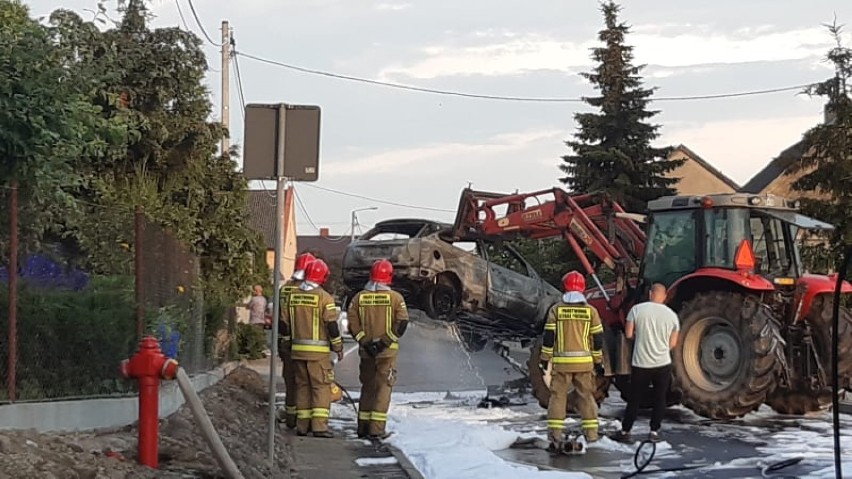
(13, 293)
(226, 86)
(276, 281)
(276, 311)
(138, 220)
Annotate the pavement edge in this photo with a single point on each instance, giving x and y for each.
(404, 463)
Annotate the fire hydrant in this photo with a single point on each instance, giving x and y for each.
(149, 366)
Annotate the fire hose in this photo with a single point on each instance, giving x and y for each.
(645, 454)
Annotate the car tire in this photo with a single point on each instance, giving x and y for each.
(441, 302)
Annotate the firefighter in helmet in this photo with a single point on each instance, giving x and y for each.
(573, 343)
(287, 371)
(377, 319)
(311, 321)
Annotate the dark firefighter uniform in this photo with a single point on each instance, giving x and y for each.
(311, 319)
(284, 344)
(377, 319)
(573, 343)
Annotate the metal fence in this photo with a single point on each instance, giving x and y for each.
(71, 309)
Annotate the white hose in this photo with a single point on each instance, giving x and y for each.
(213, 440)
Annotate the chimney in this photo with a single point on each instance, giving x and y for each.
(323, 232)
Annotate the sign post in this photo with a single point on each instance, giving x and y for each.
(281, 142)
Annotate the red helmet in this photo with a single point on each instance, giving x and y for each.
(573, 281)
(303, 260)
(316, 272)
(382, 272)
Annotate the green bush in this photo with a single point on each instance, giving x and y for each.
(71, 343)
(251, 341)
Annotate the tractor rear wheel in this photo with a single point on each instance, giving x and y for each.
(541, 388)
(820, 319)
(801, 401)
(729, 350)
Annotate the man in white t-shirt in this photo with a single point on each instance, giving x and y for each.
(655, 328)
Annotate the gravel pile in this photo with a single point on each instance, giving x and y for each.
(237, 408)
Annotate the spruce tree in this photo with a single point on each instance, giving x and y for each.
(826, 166)
(612, 149)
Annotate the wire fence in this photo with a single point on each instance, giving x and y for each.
(74, 306)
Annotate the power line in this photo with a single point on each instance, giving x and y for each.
(310, 220)
(201, 26)
(239, 80)
(182, 18)
(386, 202)
(435, 91)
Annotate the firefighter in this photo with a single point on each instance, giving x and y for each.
(573, 342)
(311, 321)
(377, 319)
(287, 371)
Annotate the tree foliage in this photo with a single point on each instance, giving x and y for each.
(826, 166)
(46, 122)
(118, 117)
(611, 151)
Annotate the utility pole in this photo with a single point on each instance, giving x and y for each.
(354, 221)
(226, 86)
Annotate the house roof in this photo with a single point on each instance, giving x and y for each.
(774, 169)
(707, 166)
(329, 247)
(260, 212)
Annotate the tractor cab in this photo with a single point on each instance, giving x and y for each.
(725, 231)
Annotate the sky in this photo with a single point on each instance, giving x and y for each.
(419, 149)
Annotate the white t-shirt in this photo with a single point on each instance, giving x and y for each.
(257, 309)
(654, 324)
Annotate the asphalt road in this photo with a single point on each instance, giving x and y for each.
(431, 359)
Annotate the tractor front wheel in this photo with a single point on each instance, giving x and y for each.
(729, 350)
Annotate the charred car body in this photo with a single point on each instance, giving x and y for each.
(484, 286)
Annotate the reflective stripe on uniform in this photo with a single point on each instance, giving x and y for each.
(360, 336)
(303, 414)
(550, 327)
(590, 423)
(364, 415)
(380, 300)
(547, 350)
(379, 416)
(319, 412)
(596, 329)
(310, 346)
(572, 360)
(290, 409)
(556, 424)
(311, 342)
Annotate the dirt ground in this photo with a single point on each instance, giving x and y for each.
(236, 407)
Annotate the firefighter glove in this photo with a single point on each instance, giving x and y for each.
(370, 348)
(599, 369)
(542, 365)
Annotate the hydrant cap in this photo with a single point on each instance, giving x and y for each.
(169, 370)
(149, 342)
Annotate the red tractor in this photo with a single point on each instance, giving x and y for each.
(755, 327)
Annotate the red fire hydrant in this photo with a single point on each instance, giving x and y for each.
(149, 366)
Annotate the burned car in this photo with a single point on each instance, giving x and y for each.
(487, 287)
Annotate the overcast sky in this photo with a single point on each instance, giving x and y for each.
(422, 149)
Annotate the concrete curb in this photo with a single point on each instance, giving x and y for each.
(403, 461)
(99, 414)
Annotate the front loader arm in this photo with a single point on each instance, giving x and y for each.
(588, 222)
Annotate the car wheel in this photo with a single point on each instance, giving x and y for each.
(441, 302)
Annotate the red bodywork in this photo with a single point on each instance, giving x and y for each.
(811, 285)
(149, 366)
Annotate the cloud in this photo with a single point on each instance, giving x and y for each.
(659, 45)
(740, 148)
(431, 159)
(394, 7)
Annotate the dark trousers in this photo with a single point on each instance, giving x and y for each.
(640, 380)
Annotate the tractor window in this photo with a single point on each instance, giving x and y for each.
(724, 230)
(670, 251)
(770, 244)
